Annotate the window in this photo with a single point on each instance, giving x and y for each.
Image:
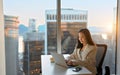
(92, 18)
(29, 21)
(97, 19)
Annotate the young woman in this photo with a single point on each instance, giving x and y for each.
(85, 52)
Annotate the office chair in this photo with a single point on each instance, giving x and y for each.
(101, 52)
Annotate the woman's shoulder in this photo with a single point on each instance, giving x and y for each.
(92, 47)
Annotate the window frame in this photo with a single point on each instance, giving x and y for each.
(117, 52)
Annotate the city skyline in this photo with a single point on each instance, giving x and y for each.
(99, 12)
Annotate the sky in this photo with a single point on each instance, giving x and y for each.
(100, 12)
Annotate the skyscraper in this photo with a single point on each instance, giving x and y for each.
(32, 23)
(11, 44)
(34, 47)
(71, 22)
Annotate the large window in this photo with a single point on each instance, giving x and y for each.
(28, 34)
(99, 16)
(31, 30)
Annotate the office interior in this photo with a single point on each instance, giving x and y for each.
(4, 62)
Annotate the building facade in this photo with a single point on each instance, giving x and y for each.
(32, 23)
(11, 44)
(71, 22)
(11, 26)
(33, 48)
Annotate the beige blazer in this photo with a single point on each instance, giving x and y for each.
(86, 58)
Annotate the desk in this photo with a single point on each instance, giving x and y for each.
(49, 68)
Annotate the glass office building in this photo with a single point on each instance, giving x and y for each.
(71, 22)
(11, 35)
(34, 48)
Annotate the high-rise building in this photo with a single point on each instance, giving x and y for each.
(11, 44)
(34, 47)
(11, 26)
(32, 23)
(71, 22)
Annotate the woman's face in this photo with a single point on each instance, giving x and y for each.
(82, 38)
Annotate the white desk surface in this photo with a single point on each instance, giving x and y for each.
(49, 68)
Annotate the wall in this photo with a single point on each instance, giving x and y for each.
(2, 48)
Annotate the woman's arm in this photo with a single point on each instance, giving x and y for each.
(89, 62)
(71, 57)
(90, 59)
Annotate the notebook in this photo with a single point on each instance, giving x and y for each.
(60, 60)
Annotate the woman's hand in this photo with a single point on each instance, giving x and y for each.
(75, 62)
(69, 62)
(72, 62)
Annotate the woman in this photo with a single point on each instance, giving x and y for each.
(85, 52)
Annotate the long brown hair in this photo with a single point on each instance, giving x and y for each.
(87, 37)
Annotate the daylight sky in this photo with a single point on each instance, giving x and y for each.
(100, 12)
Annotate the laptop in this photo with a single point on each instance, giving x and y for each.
(60, 60)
